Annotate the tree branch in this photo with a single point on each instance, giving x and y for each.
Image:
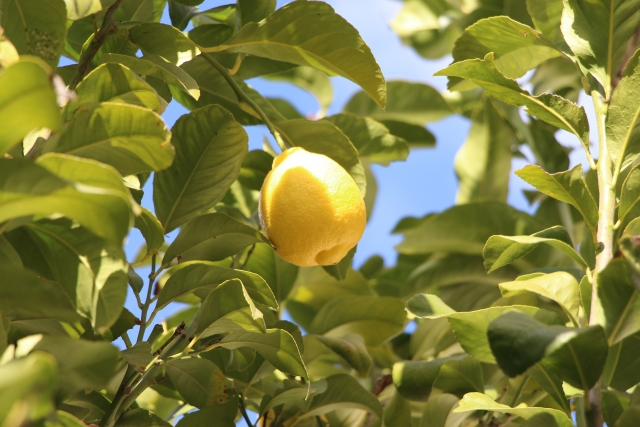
(98, 40)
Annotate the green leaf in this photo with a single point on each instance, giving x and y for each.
(460, 376)
(397, 412)
(470, 329)
(376, 319)
(163, 40)
(577, 356)
(155, 66)
(307, 33)
(598, 34)
(622, 370)
(129, 138)
(219, 415)
(551, 383)
(254, 169)
(180, 14)
(406, 104)
(8, 255)
(502, 250)
(27, 102)
(343, 391)
(560, 287)
(81, 364)
(210, 147)
(202, 277)
(140, 10)
(310, 79)
(483, 163)
(339, 271)
(323, 137)
(139, 355)
(199, 381)
(416, 136)
(36, 27)
(437, 410)
(152, 232)
(371, 138)
(465, 228)
(140, 418)
(254, 10)
(428, 306)
(546, 16)
(78, 9)
(621, 122)
(215, 90)
(279, 274)
(618, 308)
(414, 379)
(517, 48)
(479, 401)
(92, 272)
(115, 83)
(228, 307)
(30, 382)
(29, 189)
(568, 187)
(550, 108)
(290, 394)
(211, 237)
(277, 346)
(630, 194)
(351, 348)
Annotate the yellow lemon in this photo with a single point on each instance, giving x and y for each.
(311, 209)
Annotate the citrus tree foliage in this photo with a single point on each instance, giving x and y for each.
(516, 318)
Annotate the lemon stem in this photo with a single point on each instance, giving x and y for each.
(244, 98)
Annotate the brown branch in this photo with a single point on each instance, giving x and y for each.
(631, 48)
(381, 384)
(99, 38)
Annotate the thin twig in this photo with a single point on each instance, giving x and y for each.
(145, 306)
(246, 260)
(99, 38)
(127, 341)
(244, 98)
(243, 410)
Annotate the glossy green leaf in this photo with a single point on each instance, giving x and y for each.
(622, 370)
(219, 415)
(307, 33)
(155, 66)
(598, 34)
(551, 383)
(211, 237)
(323, 137)
(163, 40)
(310, 79)
(428, 306)
(181, 14)
(210, 147)
(139, 355)
(114, 83)
(279, 274)
(254, 10)
(351, 348)
(568, 187)
(254, 169)
(371, 138)
(30, 381)
(277, 346)
(376, 319)
(343, 391)
(8, 255)
(151, 230)
(465, 228)
(228, 307)
(202, 277)
(621, 120)
(215, 90)
(416, 136)
(414, 379)
(139, 418)
(27, 102)
(406, 104)
(339, 271)
(618, 305)
(630, 195)
(479, 401)
(460, 376)
(292, 393)
(81, 364)
(129, 138)
(140, 10)
(199, 381)
(92, 272)
(550, 108)
(518, 48)
(437, 410)
(78, 9)
(577, 356)
(546, 16)
(560, 287)
(502, 250)
(397, 412)
(96, 200)
(36, 27)
(483, 163)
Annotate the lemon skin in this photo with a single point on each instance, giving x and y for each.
(311, 210)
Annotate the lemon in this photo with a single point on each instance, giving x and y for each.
(311, 209)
